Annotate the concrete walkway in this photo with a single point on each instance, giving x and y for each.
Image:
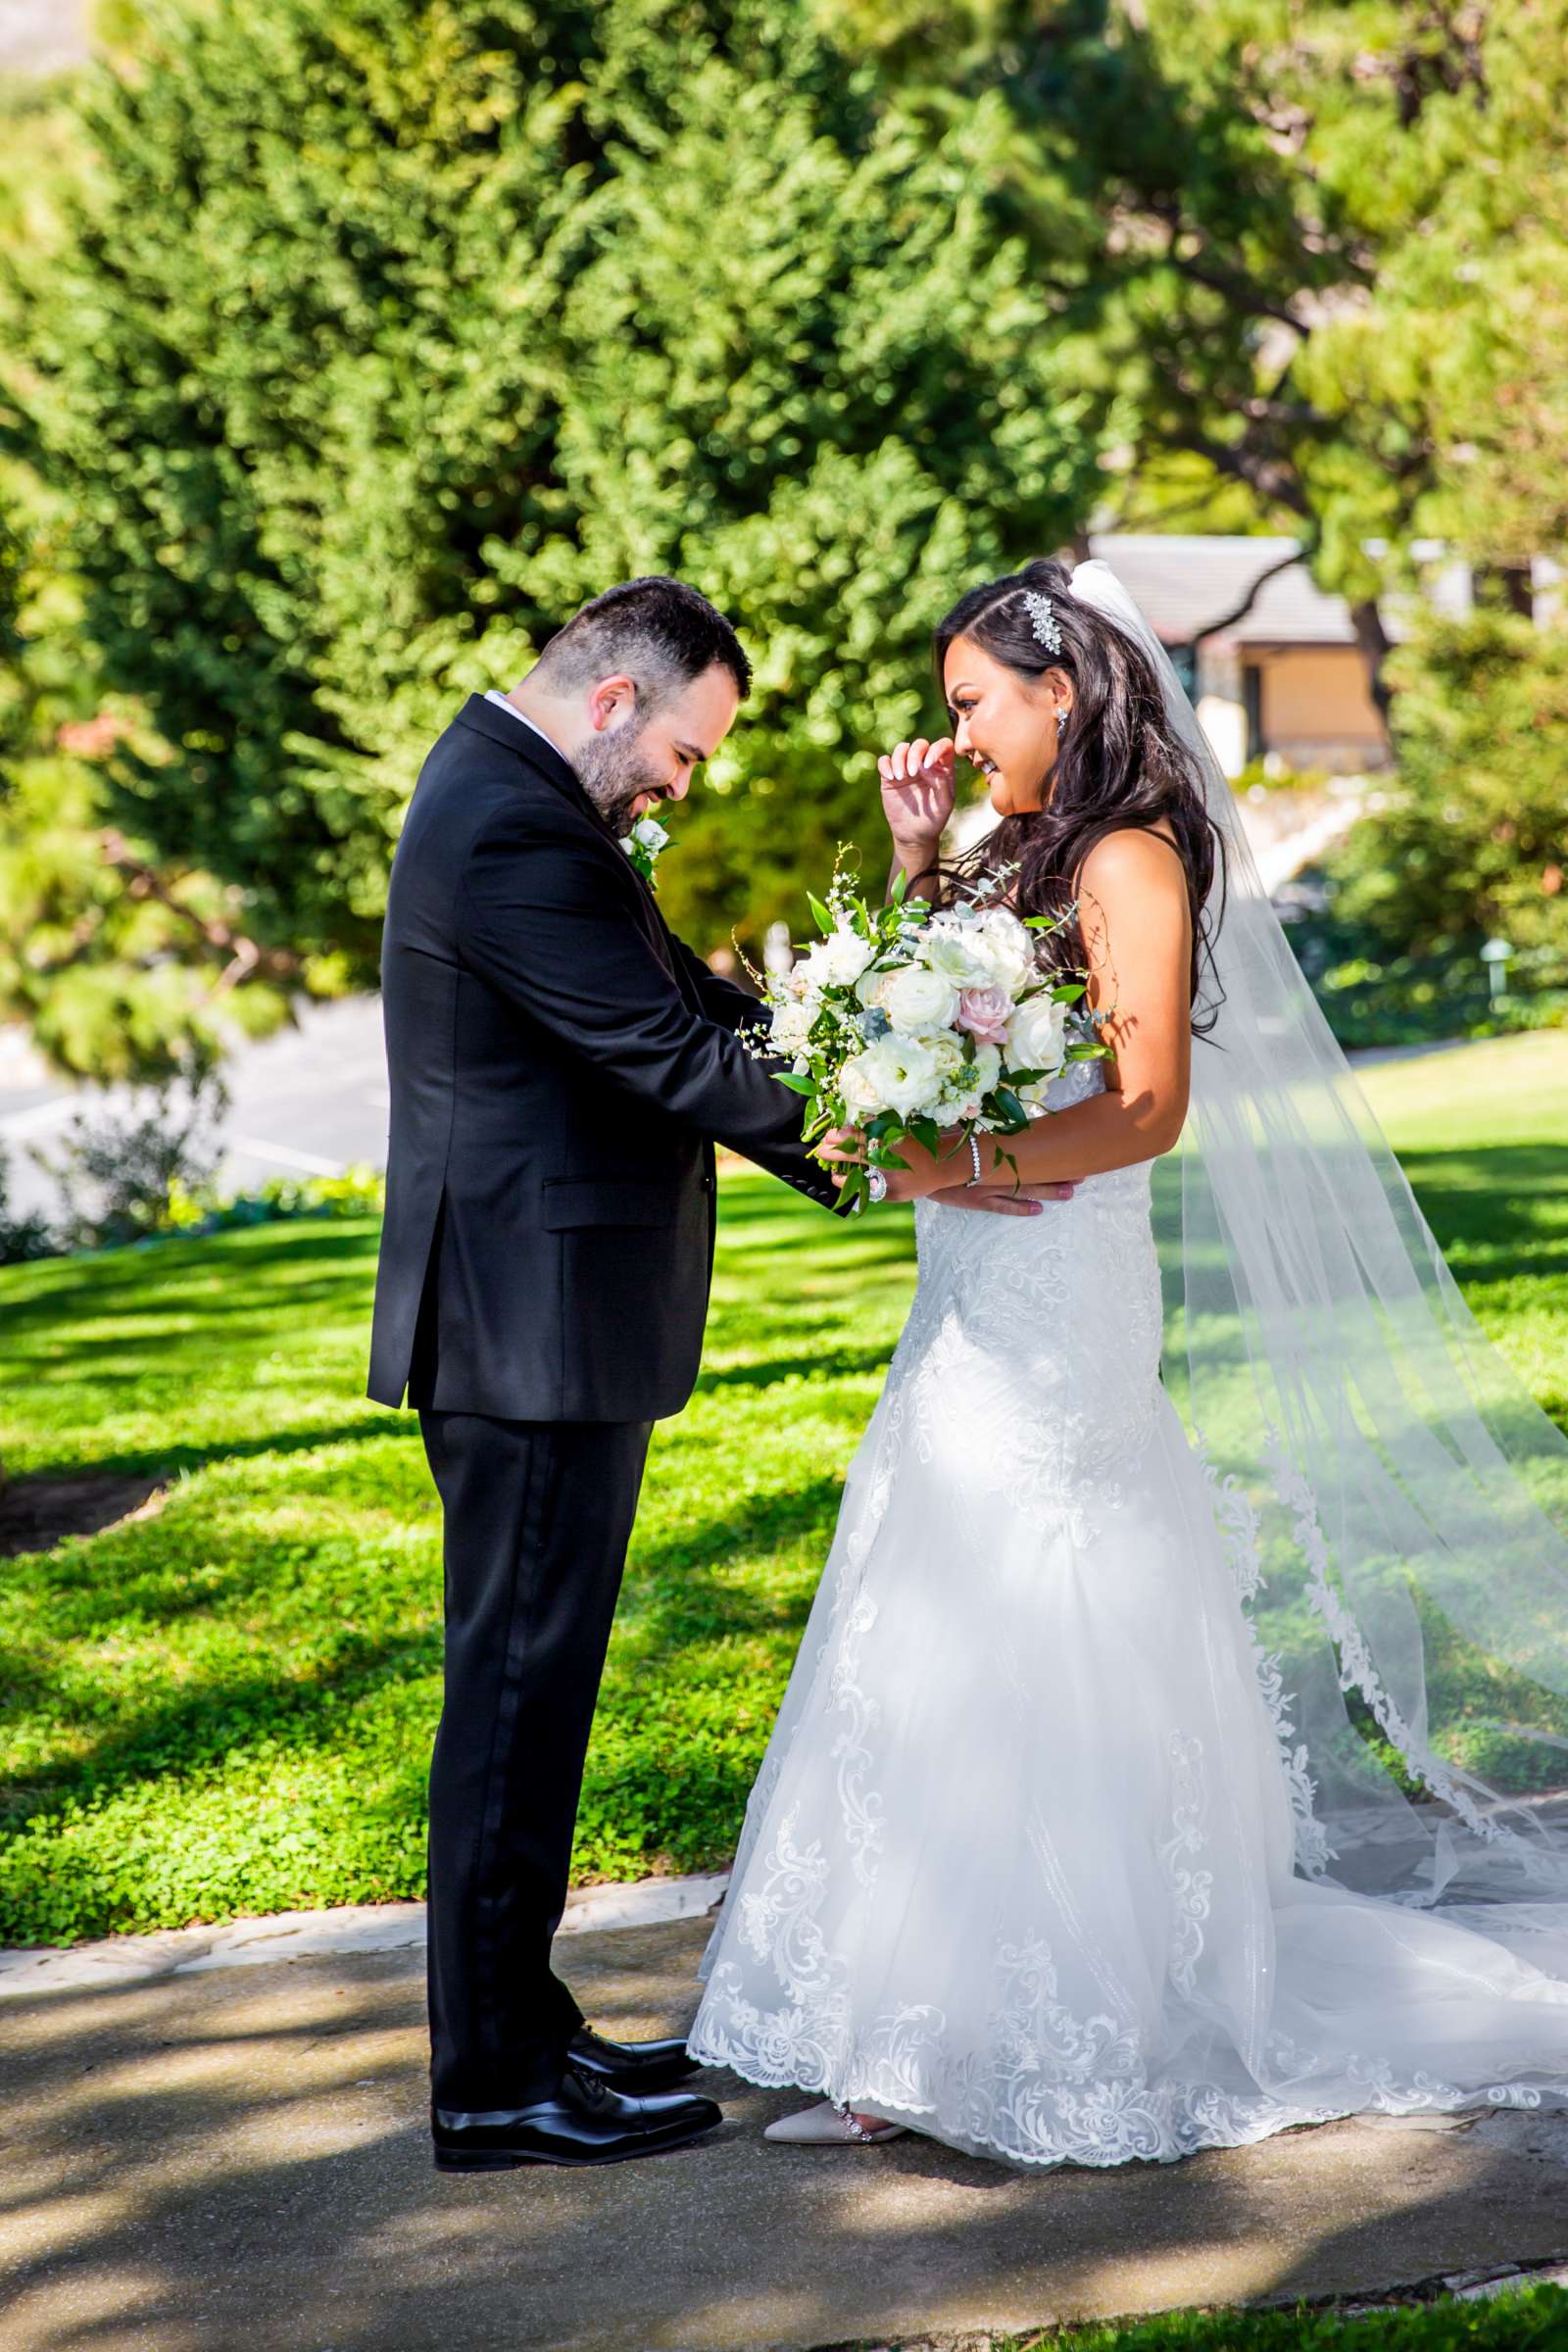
(238, 2155)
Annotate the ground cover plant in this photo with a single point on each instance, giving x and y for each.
(1528, 2318)
(224, 1705)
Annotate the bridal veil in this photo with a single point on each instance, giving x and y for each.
(1392, 1499)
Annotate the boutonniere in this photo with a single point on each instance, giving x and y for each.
(643, 845)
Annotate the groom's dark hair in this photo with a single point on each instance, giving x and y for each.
(661, 634)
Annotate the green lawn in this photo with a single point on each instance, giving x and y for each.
(227, 1707)
(1527, 2320)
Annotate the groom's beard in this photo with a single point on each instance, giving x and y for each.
(613, 771)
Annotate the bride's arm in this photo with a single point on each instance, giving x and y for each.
(1137, 931)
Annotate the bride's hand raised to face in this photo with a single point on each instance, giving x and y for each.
(918, 782)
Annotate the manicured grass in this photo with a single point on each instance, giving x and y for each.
(1483, 1135)
(1532, 2320)
(227, 1707)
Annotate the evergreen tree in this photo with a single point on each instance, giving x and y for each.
(1470, 839)
(125, 965)
(381, 335)
(1318, 246)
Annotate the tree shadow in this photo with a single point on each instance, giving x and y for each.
(38, 1512)
(242, 2156)
(198, 1725)
(833, 1363)
(1497, 1211)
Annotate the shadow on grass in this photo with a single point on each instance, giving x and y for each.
(199, 1726)
(161, 1461)
(675, 1586)
(140, 1272)
(822, 1363)
(677, 1596)
(1503, 1208)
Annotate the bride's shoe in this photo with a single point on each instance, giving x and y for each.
(830, 2124)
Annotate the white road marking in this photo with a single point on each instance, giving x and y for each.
(308, 1162)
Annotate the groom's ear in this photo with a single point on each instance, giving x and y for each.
(612, 701)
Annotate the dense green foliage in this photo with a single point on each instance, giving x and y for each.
(379, 336)
(359, 343)
(1318, 254)
(1317, 246)
(120, 963)
(227, 1706)
(1469, 841)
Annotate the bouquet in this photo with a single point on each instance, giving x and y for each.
(904, 1022)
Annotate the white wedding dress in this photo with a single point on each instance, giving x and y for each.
(1024, 1864)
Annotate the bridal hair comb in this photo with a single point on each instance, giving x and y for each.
(1043, 619)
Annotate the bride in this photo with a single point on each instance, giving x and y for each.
(1169, 1754)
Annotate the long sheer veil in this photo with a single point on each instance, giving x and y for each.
(1393, 1501)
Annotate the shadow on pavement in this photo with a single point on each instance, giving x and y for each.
(240, 2157)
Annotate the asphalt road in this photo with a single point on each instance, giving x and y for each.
(311, 1101)
(36, 36)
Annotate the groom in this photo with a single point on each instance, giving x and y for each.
(560, 1064)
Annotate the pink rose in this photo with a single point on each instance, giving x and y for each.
(985, 1012)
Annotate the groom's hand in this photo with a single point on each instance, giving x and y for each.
(844, 1148)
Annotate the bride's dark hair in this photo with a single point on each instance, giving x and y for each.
(1119, 762)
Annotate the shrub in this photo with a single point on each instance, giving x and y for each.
(121, 1173)
(22, 1238)
(359, 1192)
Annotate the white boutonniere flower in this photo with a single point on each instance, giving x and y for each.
(642, 846)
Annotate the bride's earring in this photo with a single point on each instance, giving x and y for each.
(1061, 720)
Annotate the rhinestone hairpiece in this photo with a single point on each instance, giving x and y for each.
(1044, 619)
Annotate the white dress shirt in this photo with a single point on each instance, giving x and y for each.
(493, 694)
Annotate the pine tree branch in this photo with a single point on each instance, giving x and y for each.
(246, 958)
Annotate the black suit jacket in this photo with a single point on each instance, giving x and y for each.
(559, 1064)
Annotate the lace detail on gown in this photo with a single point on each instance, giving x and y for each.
(1032, 1860)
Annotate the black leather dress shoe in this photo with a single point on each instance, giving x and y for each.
(586, 2122)
(634, 2066)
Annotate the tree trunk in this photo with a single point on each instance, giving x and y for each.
(1373, 639)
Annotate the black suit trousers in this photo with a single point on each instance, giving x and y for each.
(538, 1515)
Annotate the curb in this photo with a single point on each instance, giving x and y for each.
(323, 1935)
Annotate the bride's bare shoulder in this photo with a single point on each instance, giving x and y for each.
(1135, 856)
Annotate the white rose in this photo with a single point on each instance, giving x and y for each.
(813, 972)
(870, 986)
(844, 955)
(1036, 1035)
(984, 1071)
(1005, 950)
(946, 1052)
(897, 1074)
(918, 999)
(791, 1028)
(953, 956)
(650, 835)
(858, 1086)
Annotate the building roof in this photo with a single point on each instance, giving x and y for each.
(1185, 582)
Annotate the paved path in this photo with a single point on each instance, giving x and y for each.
(239, 2157)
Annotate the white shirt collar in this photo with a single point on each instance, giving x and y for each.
(493, 694)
